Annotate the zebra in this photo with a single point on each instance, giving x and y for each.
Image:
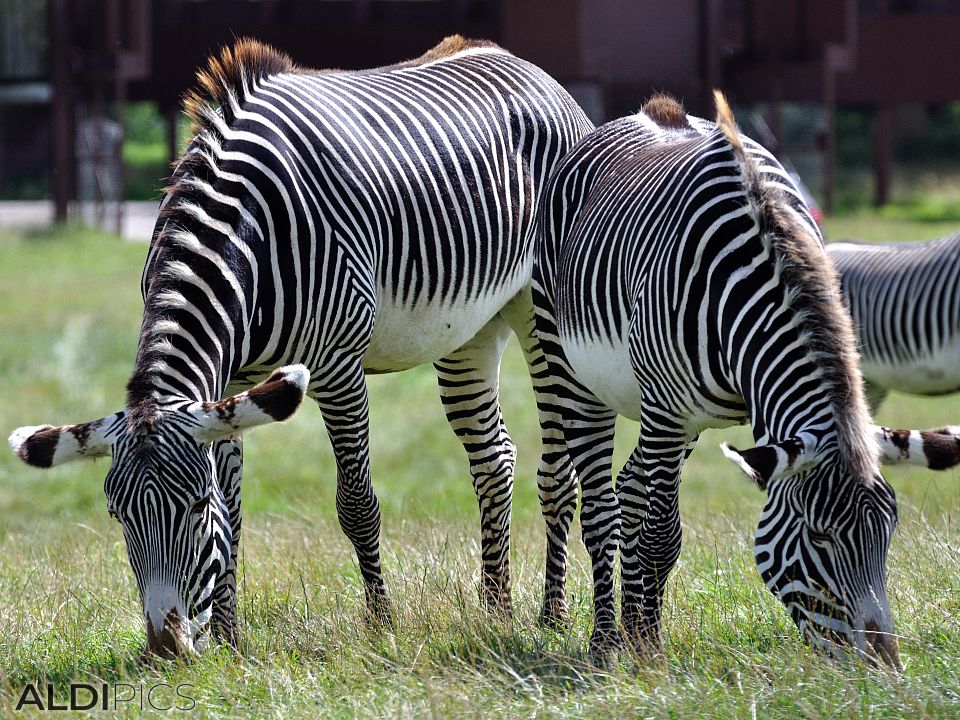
(679, 280)
(905, 303)
(333, 224)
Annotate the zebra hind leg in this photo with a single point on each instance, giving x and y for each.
(468, 380)
(556, 479)
(588, 427)
(648, 492)
(342, 397)
(228, 455)
(589, 431)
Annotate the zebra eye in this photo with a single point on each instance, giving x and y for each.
(113, 513)
(198, 505)
(822, 538)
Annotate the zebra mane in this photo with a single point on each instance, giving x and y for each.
(814, 292)
(451, 45)
(666, 111)
(228, 76)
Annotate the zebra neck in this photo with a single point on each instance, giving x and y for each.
(783, 383)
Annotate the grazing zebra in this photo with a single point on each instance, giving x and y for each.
(680, 281)
(905, 303)
(351, 223)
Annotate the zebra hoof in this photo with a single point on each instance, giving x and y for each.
(605, 646)
(555, 616)
(379, 614)
(496, 602)
(227, 634)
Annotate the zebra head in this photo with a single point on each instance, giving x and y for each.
(821, 545)
(163, 488)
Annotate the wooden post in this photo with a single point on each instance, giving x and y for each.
(710, 59)
(829, 136)
(62, 111)
(882, 153)
(121, 110)
(171, 115)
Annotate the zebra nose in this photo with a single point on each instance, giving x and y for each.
(166, 642)
(883, 644)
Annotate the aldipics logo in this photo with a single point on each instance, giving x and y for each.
(107, 696)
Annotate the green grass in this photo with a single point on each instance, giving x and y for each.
(878, 226)
(69, 608)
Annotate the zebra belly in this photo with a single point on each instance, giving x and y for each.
(404, 337)
(605, 368)
(933, 375)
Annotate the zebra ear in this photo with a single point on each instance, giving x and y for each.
(765, 463)
(935, 449)
(275, 399)
(46, 445)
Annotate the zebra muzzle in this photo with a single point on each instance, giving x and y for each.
(171, 641)
(882, 645)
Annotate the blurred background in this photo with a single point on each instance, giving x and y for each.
(858, 97)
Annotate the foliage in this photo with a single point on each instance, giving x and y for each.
(69, 607)
(145, 151)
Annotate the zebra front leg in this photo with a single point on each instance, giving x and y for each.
(342, 397)
(468, 380)
(228, 455)
(556, 479)
(648, 491)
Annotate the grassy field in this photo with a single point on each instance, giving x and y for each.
(69, 609)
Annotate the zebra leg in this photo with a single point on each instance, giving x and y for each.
(342, 397)
(469, 380)
(229, 459)
(556, 480)
(589, 431)
(648, 492)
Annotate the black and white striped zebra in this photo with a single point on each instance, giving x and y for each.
(680, 281)
(353, 223)
(905, 303)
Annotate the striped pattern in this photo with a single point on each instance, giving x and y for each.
(680, 282)
(905, 303)
(354, 222)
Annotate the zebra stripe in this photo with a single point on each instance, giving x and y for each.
(680, 282)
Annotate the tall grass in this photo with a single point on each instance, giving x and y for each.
(69, 608)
